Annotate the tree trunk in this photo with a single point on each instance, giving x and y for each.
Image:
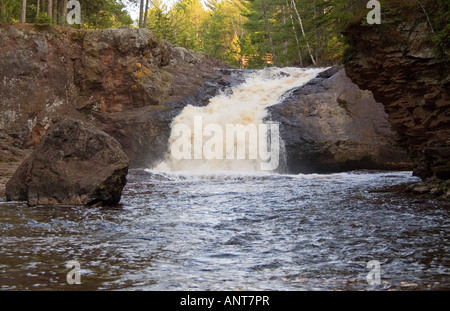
(50, 8)
(23, 15)
(58, 11)
(82, 20)
(55, 12)
(141, 13)
(63, 12)
(146, 13)
(303, 32)
(316, 33)
(285, 43)
(296, 37)
(266, 20)
(38, 7)
(3, 12)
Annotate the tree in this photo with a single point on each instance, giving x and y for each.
(95, 13)
(222, 32)
(141, 13)
(50, 8)
(266, 21)
(146, 13)
(294, 6)
(105, 14)
(295, 36)
(187, 17)
(23, 15)
(265, 26)
(160, 21)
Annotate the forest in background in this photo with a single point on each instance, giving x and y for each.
(242, 33)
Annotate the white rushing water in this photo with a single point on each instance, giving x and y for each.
(229, 134)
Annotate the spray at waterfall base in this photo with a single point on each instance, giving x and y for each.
(262, 148)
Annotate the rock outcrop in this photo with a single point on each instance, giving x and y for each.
(131, 86)
(331, 125)
(124, 81)
(74, 164)
(395, 61)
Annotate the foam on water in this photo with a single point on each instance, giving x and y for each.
(348, 177)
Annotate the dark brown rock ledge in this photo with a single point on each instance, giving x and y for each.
(395, 60)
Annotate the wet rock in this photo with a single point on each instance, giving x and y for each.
(331, 125)
(74, 164)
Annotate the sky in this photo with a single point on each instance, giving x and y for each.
(134, 9)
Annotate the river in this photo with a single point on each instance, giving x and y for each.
(210, 217)
(234, 231)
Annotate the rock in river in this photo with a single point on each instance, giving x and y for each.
(74, 164)
(330, 125)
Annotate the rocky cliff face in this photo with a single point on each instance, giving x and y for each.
(131, 86)
(395, 60)
(330, 125)
(124, 81)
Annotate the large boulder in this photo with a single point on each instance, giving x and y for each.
(330, 125)
(74, 164)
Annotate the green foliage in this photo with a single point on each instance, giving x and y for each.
(187, 17)
(43, 19)
(9, 11)
(223, 32)
(98, 14)
(160, 22)
(95, 13)
(252, 33)
(440, 20)
(442, 42)
(215, 29)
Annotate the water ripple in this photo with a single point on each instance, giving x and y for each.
(233, 232)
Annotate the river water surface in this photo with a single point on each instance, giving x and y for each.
(233, 231)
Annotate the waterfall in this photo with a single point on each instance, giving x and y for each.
(230, 133)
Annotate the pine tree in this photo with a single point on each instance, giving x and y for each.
(223, 31)
(159, 21)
